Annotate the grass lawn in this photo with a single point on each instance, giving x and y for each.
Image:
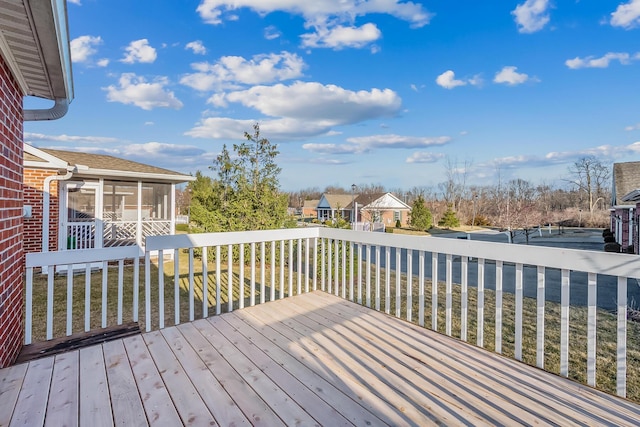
(606, 322)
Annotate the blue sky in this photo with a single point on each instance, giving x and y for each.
(356, 91)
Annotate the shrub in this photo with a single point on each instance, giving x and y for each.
(449, 219)
(398, 224)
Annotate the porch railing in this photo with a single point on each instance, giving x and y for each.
(213, 273)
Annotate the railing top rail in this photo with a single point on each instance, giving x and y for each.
(614, 264)
(81, 256)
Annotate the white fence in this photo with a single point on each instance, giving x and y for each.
(386, 272)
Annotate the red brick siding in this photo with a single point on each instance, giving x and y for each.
(11, 252)
(33, 196)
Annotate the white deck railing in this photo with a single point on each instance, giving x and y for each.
(374, 269)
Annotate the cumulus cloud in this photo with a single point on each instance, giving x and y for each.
(509, 76)
(196, 47)
(132, 89)
(300, 110)
(340, 37)
(41, 137)
(366, 144)
(448, 80)
(271, 33)
(332, 20)
(627, 15)
(231, 71)
(139, 51)
(602, 62)
(531, 16)
(424, 157)
(102, 62)
(83, 47)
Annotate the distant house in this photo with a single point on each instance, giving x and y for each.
(625, 204)
(380, 208)
(78, 200)
(310, 208)
(331, 206)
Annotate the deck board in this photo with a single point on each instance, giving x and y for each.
(313, 359)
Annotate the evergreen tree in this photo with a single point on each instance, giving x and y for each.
(245, 195)
(449, 219)
(420, 217)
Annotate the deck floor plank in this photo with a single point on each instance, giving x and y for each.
(63, 405)
(95, 402)
(32, 402)
(286, 408)
(157, 403)
(185, 397)
(311, 359)
(11, 379)
(292, 386)
(220, 404)
(123, 390)
(343, 402)
(251, 404)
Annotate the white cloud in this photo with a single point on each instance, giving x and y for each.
(160, 149)
(75, 2)
(340, 37)
(300, 110)
(230, 71)
(136, 90)
(196, 47)
(509, 75)
(602, 62)
(139, 51)
(103, 62)
(83, 48)
(448, 80)
(634, 127)
(33, 137)
(531, 16)
(366, 144)
(424, 157)
(271, 33)
(627, 15)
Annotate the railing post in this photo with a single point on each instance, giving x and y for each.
(621, 353)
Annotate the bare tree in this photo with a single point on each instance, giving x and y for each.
(590, 175)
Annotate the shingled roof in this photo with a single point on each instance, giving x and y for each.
(626, 178)
(87, 162)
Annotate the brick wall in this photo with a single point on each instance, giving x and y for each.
(33, 196)
(11, 252)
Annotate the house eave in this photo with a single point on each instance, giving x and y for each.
(143, 176)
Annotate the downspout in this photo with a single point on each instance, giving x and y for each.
(46, 200)
(58, 110)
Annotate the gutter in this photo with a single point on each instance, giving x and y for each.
(46, 200)
(58, 110)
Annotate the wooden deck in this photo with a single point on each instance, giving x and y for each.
(312, 359)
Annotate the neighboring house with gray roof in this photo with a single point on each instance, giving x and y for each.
(331, 206)
(625, 204)
(77, 200)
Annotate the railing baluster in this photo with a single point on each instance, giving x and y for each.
(69, 330)
(306, 265)
(262, 272)
(344, 270)
(205, 282)
(87, 297)
(564, 322)
(387, 279)
(176, 285)
(480, 315)
(464, 297)
(136, 286)
(272, 292)
(329, 264)
(290, 262)
(449, 294)
(230, 278)
(421, 288)
(120, 289)
(322, 264)
(398, 271)
(409, 263)
(359, 273)
(591, 328)
(147, 290)
(350, 271)
(336, 270)
(434, 291)
(218, 281)
(50, 273)
(281, 269)
(315, 263)
(621, 353)
(299, 278)
(498, 328)
(378, 277)
(252, 291)
(368, 284)
(28, 320)
(161, 290)
(540, 302)
(241, 277)
(192, 293)
(518, 308)
(105, 288)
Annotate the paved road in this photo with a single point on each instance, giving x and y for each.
(590, 240)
